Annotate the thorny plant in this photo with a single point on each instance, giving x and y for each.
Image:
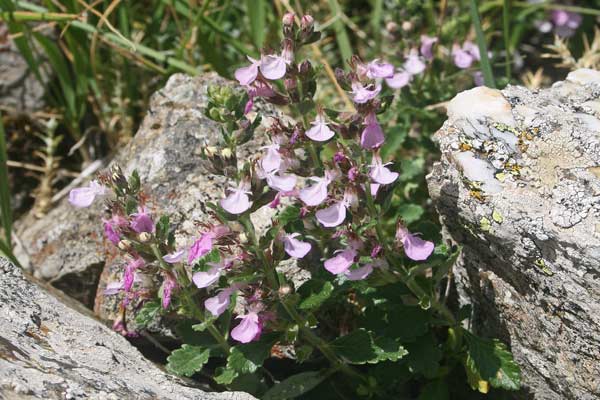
(325, 177)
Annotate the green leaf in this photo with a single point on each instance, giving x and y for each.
(295, 386)
(134, 181)
(436, 390)
(493, 362)
(224, 376)
(358, 347)
(162, 227)
(247, 358)
(314, 293)
(147, 313)
(187, 360)
(289, 214)
(257, 14)
(424, 355)
(411, 169)
(5, 208)
(410, 212)
(202, 263)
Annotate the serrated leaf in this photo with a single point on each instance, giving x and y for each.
(410, 212)
(295, 386)
(493, 362)
(387, 349)
(358, 347)
(187, 360)
(224, 376)
(436, 390)
(288, 214)
(314, 293)
(247, 358)
(201, 264)
(424, 355)
(147, 313)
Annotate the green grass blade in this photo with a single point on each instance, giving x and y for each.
(376, 18)
(5, 209)
(341, 36)
(258, 21)
(507, 41)
(486, 67)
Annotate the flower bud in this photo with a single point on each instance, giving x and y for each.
(284, 290)
(307, 23)
(288, 50)
(288, 19)
(407, 26)
(124, 245)
(144, 237)
(304, 68)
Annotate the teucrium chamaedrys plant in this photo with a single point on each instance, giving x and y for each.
(369, 315)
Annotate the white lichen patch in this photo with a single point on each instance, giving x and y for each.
(479, 104)
(584, 76)
(478, 170)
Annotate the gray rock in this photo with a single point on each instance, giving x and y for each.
(518, 186)
(67, 247)
(49, 350)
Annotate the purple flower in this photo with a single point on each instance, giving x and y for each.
(374, 188)
(317, 193)
(84, 196)
(130, 272)
(294, 247)
(217, 305)
(319, 131)
(246, 75)
(201, 246)
(281, 183)
(359, 274)
(399, 79)
(427, 43)
(565, 22)
(341, 262)
(379, 173)
(462, 58)
(113, 288)
(272, 160)
(142, 222)
(206, 278)
(175, 257)
(353, 174)
(413, 64)
(478, 78)
(363, 94)
(273, 66)
(168, 285)
(110, 233)
(376, 69)
(333, 215)
(237, 202)
(372, 136)
(249, 329)
(415, 248)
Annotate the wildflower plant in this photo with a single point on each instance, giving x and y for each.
(369, 320)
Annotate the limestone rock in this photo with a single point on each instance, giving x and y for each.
(67, 247)
(518, 186)
(49, 350)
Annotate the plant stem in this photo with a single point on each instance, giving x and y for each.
(506, 32)
(26, 16)
(486, 67)
(268, 271)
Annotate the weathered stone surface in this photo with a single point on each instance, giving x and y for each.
(20, 90)
(49, 350)
(530, 228)
(67, 247)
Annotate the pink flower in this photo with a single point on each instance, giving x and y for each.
(359, 274)
(399, 79)
(84, 196)
(249, 329)
(142, 222)
(319, 131)
(462, 58)
(413, 64)
(415, 248)
(113, 288)
(168, 285)
(353, 174)
(237, 202)
(376, 69)
(317, 193)
(379, 173)
(281, 183)
(175, 257)
(363, 94)
(272, 160)
(427, 43)
(374, 188)
(246, 75)
(565, 22)
(341, 262)
(273, 66)
(294, 247)
(111, 234)
(217, 305)
(372, 136)
(333, 215)
(204, 279)
(472, 49)
(130, 272)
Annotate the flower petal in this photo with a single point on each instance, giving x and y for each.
(200, 247)
(236, 203)
(399, 80)
(315, 194)
(272, 67)
(217, 305)
(248, 330)
(294, 247)
(376, 69)
(281, 183)
(174, 257)
(332, 216)
(320, 132)
(246, 75)
(359, 274)
(205, 279)
(341, 262)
